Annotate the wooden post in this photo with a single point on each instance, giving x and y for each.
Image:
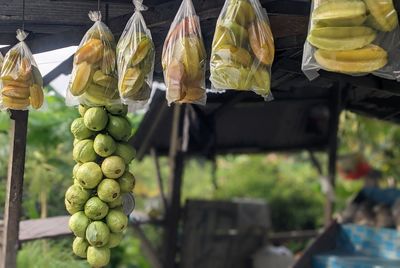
(15, 181)
(159, 178)
(172, 217)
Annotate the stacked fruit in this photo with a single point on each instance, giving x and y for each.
(242, 49)
(21, 79)
(183, 60)
(94, 77)
(135, 65)
(343, 32)
(101, 177)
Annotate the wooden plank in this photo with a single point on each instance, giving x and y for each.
(15, 181)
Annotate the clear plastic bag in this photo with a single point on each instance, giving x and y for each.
(135, 60)
(94, 75)
(354, 37)
(22, 83)
(184, 58)
(243, 48)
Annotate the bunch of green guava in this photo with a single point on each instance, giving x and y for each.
(101, 176)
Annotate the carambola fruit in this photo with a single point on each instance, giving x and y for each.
(340, 13)
(230, 33)
(262, 81)
(262, 42)
(81, 79)
(104, 80)
(341, 38)
(364, 60)
(231, 76)
(383, 15)
(91, 52)
(36, 95)
(14, 103)
(132, 82)
(232, 54)
(15, 92)
(240, 11)
(142, 49)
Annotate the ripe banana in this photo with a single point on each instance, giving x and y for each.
(340, 13)
(37, 97)
(383, 15)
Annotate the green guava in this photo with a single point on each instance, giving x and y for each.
(89, 175)
(76, 182)
(83, 151)
(117, 221)
(95, 209)
(104, 145)
(117, 109)
(72, 208)
(95, 118)
(76, 141)
(77, 195)
(82, 109)
(98, 257)
(79, 130)
(119, 127)
(126, 151)
(79, 247)
(108, 190)
(113, 167)
(78, 224)
(116, 203)
(77, 165)
(127, 182)
(115, 240)
(98, 234)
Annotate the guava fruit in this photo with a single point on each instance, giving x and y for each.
(78, 224)
(127, 182)
(104, 145)
(76, 141)
(119, 127)
(89, 175)
(72, 208)
(115, 240)
(108, 190)
(83, 151)
(116, 203)
(79, 247)
(113, 167)
(76, 182)
(98, 234)
(95, 209)
(95, 118)
(117, 221)
(76, 195)
(82, 109)
(77, 165)
(98, 257)
(126, 151)
(117, 109)
(79, 130)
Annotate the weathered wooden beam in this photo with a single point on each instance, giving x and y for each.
(147, 247)
(15, 181)
(159, 177)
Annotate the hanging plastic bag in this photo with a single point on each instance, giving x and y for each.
(243, 48)
(22, 83)
(184, 58)
(135, 60)
(355, 37)
(94, 76)
(1, 61)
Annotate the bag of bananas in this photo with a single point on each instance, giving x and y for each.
(94, 75)
(354, 37)
(21, 82)
(135, 60)
(184, 58)
(243, 48)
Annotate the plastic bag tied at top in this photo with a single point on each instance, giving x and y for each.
(94, 76)
(354, 37)
(243, 48)
(184, 58)
(21, 82)
(135, 60)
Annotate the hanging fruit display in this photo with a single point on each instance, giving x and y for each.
(352, 37)
(21, 82)
(101, 178)
(243, 48)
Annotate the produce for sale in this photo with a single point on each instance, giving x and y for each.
(21, 83)
(353, 37)
(101, 180)
(94, 79)
(135, 59)
(184, 58)
(243, 48)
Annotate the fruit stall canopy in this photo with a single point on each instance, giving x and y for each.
(55, 24)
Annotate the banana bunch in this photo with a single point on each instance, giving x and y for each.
(102, 181)
(21, 80)
(343, 32)
(242, 50)
(94, 78)
(183, 60)
(135, 63)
